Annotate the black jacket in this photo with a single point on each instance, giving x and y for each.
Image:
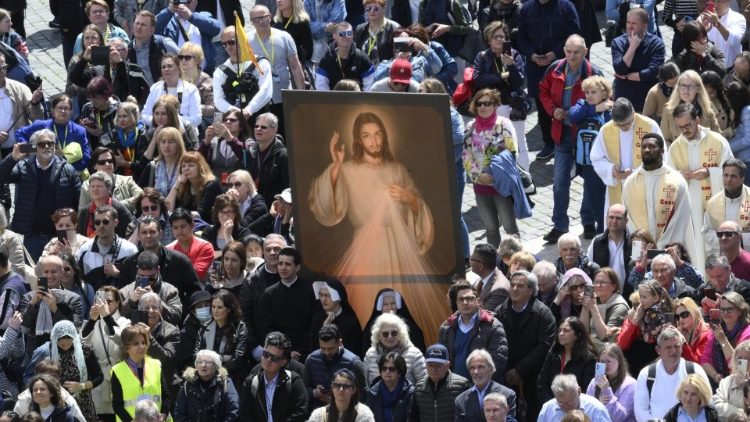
(289, 399)
(289, 310)
(714, 60)
(174, 267)
(272, 175)
(581, 367)
(165, 341)
(210, 234)
(383, 48)
(251, 292)
(124, 218)
(711, 414)
(23, 173)
(156, 51)
(232, 346)
(400, 409)
(257, 209)
(436, 403)
(228, 7)
(467, 403)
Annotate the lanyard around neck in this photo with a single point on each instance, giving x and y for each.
(273, 48)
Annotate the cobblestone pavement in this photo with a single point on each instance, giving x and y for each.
(46, 59)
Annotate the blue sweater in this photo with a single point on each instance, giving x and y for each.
(73, 133)
(648, 58)
(543, 28)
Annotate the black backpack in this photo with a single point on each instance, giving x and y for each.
(240, 90)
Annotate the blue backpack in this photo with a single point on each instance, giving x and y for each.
(587, 131)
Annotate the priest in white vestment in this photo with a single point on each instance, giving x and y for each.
(657, 198)
(730, 204)
(698, 154)
(616, 151)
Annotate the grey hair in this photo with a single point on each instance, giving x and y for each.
(716, 260)
(147, 411)
(148, 296)
(509, 246)
(664, 259)
(42, 133)
(668, 333)
(390, 319)
(564, 383)
(496, 398)
(276, 236)
(568, 238)
(211, 355)
(531, 280)
(3, 219)
(622, 110)
(544, 269)
(273, 121)
(102, 177)
(481, 354)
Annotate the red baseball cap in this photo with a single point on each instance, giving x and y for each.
(401, 71)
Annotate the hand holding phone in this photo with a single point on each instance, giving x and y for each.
(27, 148)
(714, 315)
(601, 369)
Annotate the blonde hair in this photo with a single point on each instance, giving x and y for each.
(246, 177)
(524, 258)
(695, 380)
(196, 51)
(171, 133)
(743, 347)
(600, 82)
(695, 311)
(394, 320)
(131, 109)
(299, 14)
(704, 101)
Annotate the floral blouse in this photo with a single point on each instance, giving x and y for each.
(479, 148)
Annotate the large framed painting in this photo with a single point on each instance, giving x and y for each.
(374, 192)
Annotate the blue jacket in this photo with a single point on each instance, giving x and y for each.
(73, 133)
(648, 58)
(402, 407)
(23, 174)
(543, 28)
(740, 143)
(166, 25)
(421, 67)
(330, 11)
(507, 182)
(319, 371)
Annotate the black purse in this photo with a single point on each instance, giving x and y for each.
(520, 105)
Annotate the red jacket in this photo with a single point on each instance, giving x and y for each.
(551, 92)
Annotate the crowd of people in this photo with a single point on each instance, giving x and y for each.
(148, 268)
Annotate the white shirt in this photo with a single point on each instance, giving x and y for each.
(663, 395)
(734, 23)
(616, 259)
(7, 117)
(190, 104)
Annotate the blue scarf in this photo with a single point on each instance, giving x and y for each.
(127, 140)
(390, 398)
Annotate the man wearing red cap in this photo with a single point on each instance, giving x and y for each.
(399, 79)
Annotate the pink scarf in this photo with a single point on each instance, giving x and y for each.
(482, 124)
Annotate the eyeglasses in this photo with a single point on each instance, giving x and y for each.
(388, 369)
(151, 308)
(230, 120)
(499, 37)
(63, 109)
(259, 19)
(147, 208)
(98, 12)
(601, 283)
(105, 161)
(724, 235)
(681, 315)
(727, 310)
(263, 127)
(341, 387)
(45, 144)
(227, 43)
(373, 9)
(466, 299)
(347, 33)
(185, 57)
(392, 333)
(686, 87)
(275, 359)
(204, 363)
(100, 222)
(485, 104)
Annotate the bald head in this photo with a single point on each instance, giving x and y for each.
(575, 50)
(52, 268)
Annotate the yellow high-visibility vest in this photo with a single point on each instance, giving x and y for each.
(132, 390)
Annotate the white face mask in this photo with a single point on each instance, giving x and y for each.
(203, 314)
